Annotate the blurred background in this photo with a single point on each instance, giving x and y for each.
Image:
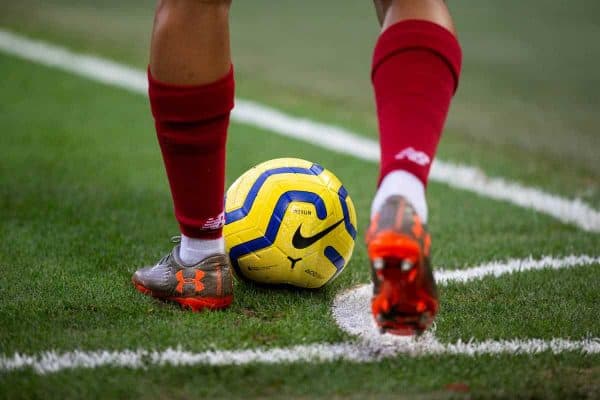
(529, 94)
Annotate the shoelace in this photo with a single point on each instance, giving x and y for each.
(174, 239)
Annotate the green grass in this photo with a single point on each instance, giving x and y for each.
(540, 377)
(84, 202)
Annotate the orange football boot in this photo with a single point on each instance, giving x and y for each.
(405, 299)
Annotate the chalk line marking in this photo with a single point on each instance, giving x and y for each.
(52, 362)
(351, 309)
(326, 136)
(351, 312)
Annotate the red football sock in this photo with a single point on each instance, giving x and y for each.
(416, 66)
(191, 124)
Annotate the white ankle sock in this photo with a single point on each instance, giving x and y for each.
(192, 251)
(404, 184)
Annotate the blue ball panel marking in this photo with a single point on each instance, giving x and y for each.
(241, 212)
(336, 259)
(343, 193)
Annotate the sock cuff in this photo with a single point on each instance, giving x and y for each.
(191, 103)
(201, 228)
(419, 34)
(199, 233)
(403, 183)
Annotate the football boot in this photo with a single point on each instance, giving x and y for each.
(205, 285)
(405, 299)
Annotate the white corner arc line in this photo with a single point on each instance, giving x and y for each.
(351, 309)
(337, 139)
(499, 268)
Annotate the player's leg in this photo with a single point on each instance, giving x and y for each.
(190, 42)
(191, 91)
(416, 65)
(390, 12)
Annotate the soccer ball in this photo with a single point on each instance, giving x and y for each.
(289, 221)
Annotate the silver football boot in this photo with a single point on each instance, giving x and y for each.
(207, 284)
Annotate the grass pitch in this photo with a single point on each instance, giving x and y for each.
(84, 202)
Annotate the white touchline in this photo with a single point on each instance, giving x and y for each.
(351, 312)
(327, 136)
(359, 352)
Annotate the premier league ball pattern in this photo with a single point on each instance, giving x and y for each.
(289, 221)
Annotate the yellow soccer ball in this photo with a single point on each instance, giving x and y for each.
(289, 221)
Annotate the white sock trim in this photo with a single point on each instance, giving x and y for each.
(192, 251)
(404, 184)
